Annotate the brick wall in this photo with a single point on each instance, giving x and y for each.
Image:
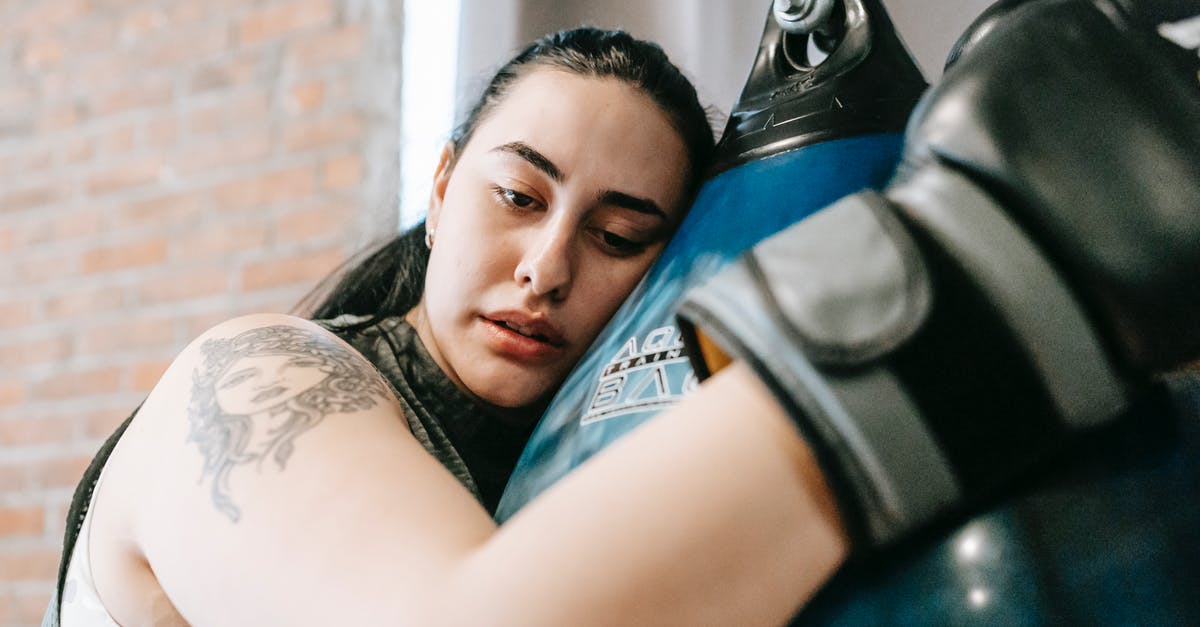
(164, 165)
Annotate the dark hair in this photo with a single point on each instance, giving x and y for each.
(389, 281)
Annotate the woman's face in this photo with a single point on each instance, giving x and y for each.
(558, 204)
(256, 383)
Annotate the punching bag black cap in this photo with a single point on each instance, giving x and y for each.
(866, 82)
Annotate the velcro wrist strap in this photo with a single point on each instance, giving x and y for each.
(812, 310)
(926, 350)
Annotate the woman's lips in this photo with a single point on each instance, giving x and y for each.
(504, 338)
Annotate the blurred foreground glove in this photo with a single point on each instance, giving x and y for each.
(1035, 260)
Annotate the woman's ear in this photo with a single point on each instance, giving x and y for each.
(441, 178)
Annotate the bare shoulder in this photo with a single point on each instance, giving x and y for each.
(267, 434)
(237, 402)
(249, 388)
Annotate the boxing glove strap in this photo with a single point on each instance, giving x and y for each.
(915, 406)
(855, 290)
(1032, 299)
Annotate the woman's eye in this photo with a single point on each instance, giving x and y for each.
(514, 198)
(621, 245)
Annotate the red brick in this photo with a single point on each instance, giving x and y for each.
(42, 53)
(342, 44)
(162, 133)
(118, 141)
(16, 313)
(308, 96)
(180, 287)
(8, 610)
(126, 335)
(79, 303)
(141, 96)
(142, 22)
(267, 189)
(219, 242)
(101, 424)
(57, 84)
(29, 564)
(43, 269)
(163, 212)
(186, 45)
(38, 160)
(299, 269)
(79, 384)
(315, 224)
(24, 431)
(307, 135)
(31, 197)
(24, 353)
(93, 36)
(78, 150)
(145, 375)
(47, 15)
(59, 118)
(223, 74)
(14, 479)
(235, 151)
(11, 394)
(95, 75)
(131, 255)
(22, 521)
(282, 19)
(60, 472)
(16, 98)
(63, 226)
(245, 110)
(31, 604)
(341, 172)
(124, 176)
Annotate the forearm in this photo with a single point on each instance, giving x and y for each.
(714, 513)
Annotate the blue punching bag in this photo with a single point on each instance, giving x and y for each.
(805, 132)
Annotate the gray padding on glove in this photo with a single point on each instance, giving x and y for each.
(846, 285)
(856, 286)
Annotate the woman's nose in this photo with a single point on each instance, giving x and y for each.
(545, 266)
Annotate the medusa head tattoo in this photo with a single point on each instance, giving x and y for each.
(255, 393)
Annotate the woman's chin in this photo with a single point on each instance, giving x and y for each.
(516, 390)
(509, 399)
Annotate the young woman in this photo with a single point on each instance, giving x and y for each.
(451, 341)
(274, 477)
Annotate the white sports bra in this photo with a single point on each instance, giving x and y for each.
(81, 606)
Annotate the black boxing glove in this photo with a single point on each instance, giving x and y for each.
(1034, 261)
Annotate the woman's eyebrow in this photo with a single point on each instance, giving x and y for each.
(612, 197)
(640, 205)
(535, 158)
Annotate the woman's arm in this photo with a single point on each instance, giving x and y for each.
(713, 513)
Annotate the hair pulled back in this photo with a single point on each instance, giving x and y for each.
(389, 281)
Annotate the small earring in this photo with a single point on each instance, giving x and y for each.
(429, 239)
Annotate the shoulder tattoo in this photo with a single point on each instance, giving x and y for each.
(254, 393)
